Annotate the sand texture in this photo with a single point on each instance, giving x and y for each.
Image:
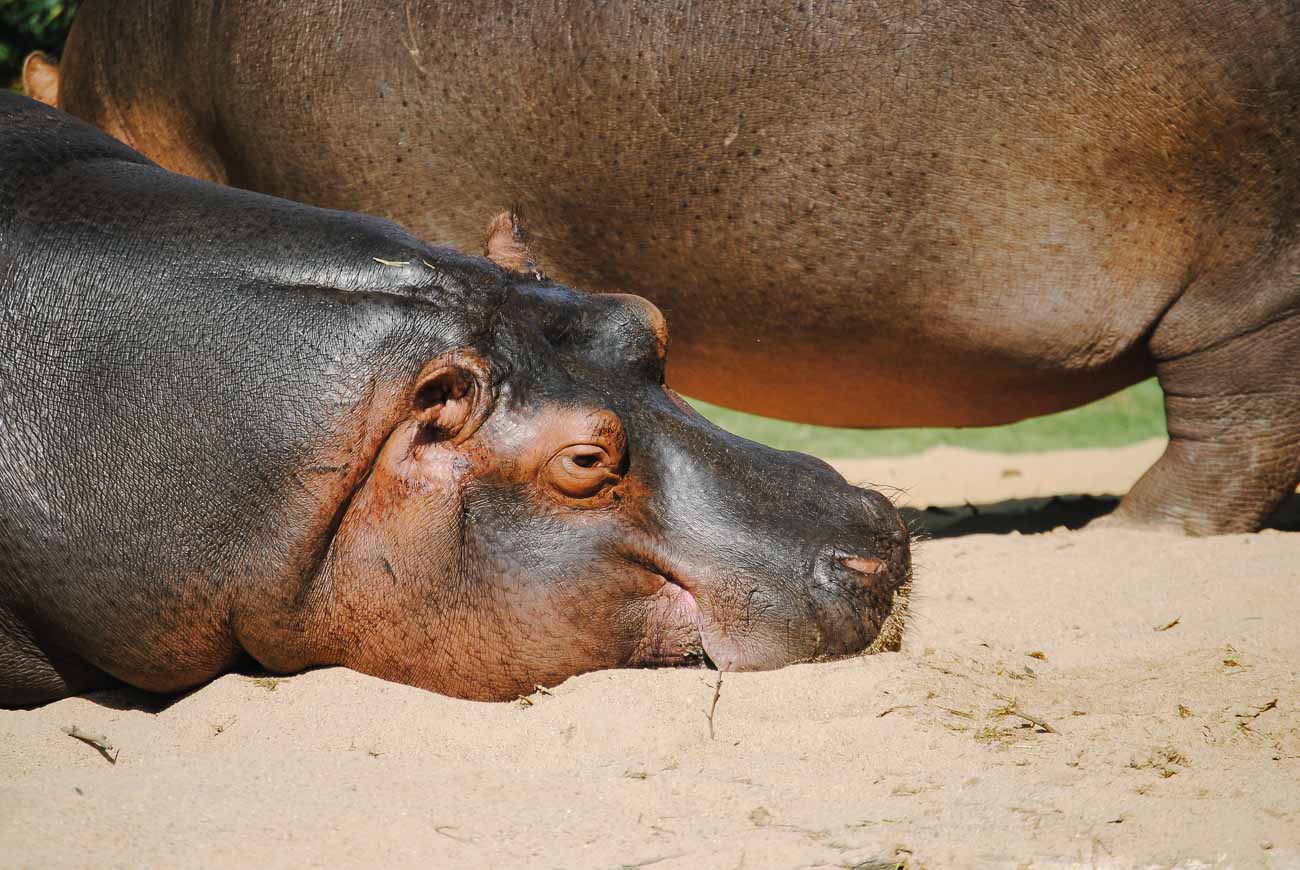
(1068, 698)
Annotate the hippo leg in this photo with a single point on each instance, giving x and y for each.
(1233, 408)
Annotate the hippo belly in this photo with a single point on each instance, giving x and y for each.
(855, 215)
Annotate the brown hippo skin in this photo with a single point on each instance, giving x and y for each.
(858, 214)
(237, 426)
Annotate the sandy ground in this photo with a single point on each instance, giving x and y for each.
(1094, 698)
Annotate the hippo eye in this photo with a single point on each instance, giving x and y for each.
(581, 470)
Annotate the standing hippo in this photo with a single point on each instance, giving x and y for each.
(861, 214)
(239, 426)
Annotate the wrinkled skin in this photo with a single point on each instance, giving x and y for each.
(239, 426)
(859, 214)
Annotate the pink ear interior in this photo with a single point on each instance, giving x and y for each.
(41, 78)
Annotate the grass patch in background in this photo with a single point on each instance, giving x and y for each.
(1129, 416)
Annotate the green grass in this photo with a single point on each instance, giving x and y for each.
(1124, 418)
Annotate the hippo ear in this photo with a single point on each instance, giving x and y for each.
(444, 401)
(41, 78)
(507, 245)
(452, 397)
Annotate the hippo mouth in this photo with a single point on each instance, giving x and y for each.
(678, 633)
(673, 633)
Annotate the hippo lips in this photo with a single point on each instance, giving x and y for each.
(673, 628)
(677, 633)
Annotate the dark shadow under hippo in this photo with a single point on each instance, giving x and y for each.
(898, 213)
(234, 425)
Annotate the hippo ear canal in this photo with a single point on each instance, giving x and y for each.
(448, 402)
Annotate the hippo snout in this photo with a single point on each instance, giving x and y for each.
(884, 556)
(854, 584)
(881, 511)
(889, 556)
(844, 595)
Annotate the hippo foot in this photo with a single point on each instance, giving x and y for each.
(1128, 522)
(1233, 412)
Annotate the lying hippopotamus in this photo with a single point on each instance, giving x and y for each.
(858, 214)
(238, 426)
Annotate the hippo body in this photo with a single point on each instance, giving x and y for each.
(237, 426)
(872, 215)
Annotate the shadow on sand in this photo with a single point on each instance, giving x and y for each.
(1030, 516)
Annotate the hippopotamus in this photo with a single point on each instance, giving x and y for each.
(857, 214)
(241, 428)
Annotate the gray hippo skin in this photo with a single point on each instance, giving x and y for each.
(236, 426)
(858, 214)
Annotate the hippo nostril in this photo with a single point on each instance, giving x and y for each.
(864, 565)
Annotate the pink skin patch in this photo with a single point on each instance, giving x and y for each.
(864, 565)
(672, 628)
(678, 632)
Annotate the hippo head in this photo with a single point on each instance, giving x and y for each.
(552, 507)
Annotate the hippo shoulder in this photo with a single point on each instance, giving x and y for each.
(36, 139)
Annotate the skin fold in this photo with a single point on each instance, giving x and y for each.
(871, 215)
(237, 427)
